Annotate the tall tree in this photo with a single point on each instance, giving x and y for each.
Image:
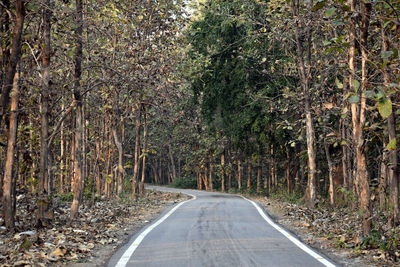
(78, 179)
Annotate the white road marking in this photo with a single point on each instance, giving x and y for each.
(131, 249)
(291, 238)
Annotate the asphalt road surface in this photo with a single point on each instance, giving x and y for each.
(215, 229)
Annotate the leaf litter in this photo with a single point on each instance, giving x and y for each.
(338, 232)
(102, 227)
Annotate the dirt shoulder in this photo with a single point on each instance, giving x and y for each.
(91, 240)
(333, 233)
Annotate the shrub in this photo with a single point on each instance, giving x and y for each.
(185, 182)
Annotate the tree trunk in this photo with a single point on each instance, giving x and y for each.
(311, 191)
(44, 116)
(383, 179)
(210, 183)
(393, 160)
(98, 173)
(344, 157)
(223, 171)
(249, 169)
(9, 196)
(331, 190)
(171, 158)
(14, 57)
(199, 181)
(259, 173)
(239, 179)
(135, 177)
(118, 144)
(141, 189)
(230, 175)
(288, 178)
(78, 181)
(358, 110)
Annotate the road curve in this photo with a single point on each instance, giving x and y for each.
(214, 229)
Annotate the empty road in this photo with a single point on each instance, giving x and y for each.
(215, 229)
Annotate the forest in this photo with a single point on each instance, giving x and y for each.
(289, 98)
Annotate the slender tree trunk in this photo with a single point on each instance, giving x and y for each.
(249, 169)
(311, 190)
(108, 170)
(141, 191)
(44, 114)
(344, 157)
(62, 160)
(9, 179)
(239, 179)
(205, 178)
(98, 174)
(288, 178)
(223, 171)
(259, 173)
(118, 144)
(331, 190)
(273, 180)
(135, 177)
(78, 181)
(383, 179)
(171, 158)
(14, 57)
(230, 175)
(359, 111)
(211, 175)
(199, 180)
(393, 160)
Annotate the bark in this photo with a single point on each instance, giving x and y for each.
(141, 189)
(259, 173)
(62, 160)
(172, 160)
(288, 178)
(13, 59)
(205, 179)
(210, 181)
(135, 177)
(239, 179)
(199, 181)
(78, 179)
(9, 179)
(44, 118)
(230, 175)
(223, 171)
(249, 169)
(359, 111)
(311, 190)
(98, 177)
(331, 190)
(273, 180)
(383, 180)
(120, 167)
(108, 171)
(393, 160)
(344, 157)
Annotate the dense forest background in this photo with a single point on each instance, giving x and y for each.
(297, 98)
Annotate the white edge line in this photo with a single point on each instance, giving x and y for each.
(132, 247)
(290, 237)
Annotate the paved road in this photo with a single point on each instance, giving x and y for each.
(214, 229)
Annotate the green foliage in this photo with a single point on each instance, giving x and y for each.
(185, 182)
(385, 107)
(66, 197)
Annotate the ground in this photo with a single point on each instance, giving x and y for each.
(102, 227)
(106, 224)
(334, 233)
